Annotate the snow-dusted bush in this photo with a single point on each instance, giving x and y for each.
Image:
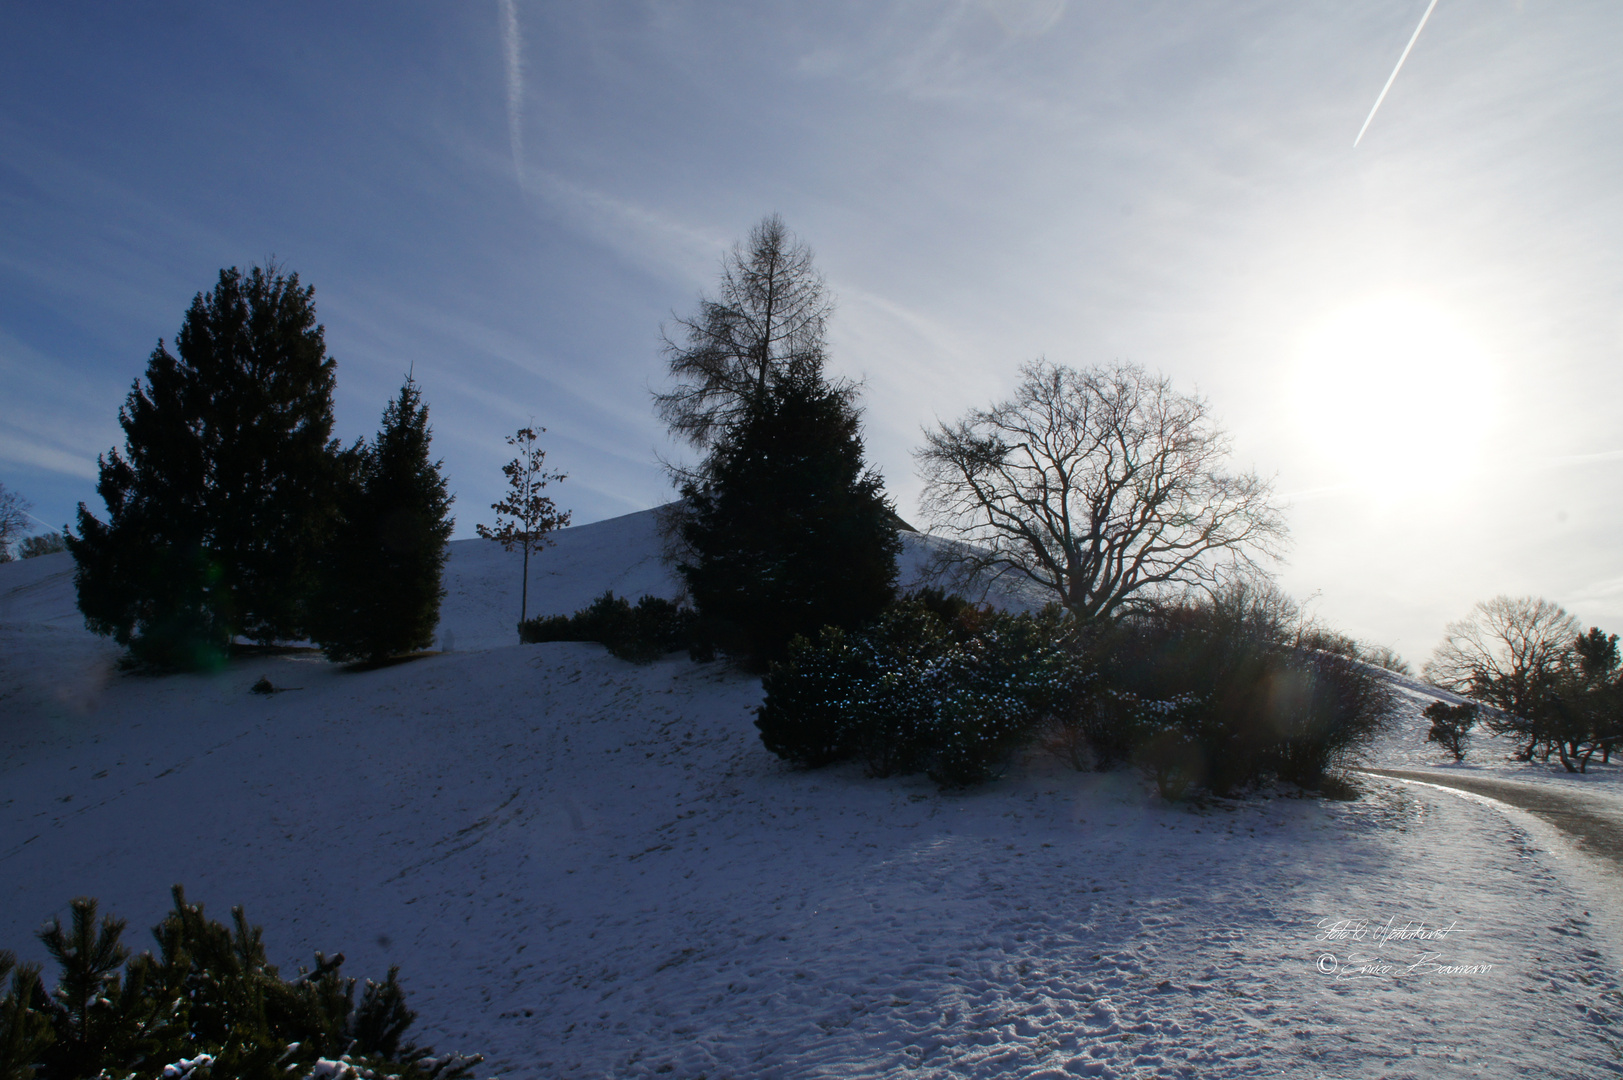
(642, 633)
(917, 693)
(1450, 726)
(869, 694)
(812, 699)
(1005, 679)
(1214, 693)
(209, 1005)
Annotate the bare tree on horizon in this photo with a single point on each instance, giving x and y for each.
(766, 322)
(1102, 488)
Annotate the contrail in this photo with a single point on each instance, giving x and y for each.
(512, 45)
(1395, 71)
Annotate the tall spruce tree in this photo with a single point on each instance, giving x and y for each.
(223, 496)
(787, 530)
(382, 573)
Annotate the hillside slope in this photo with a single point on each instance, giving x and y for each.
(587, 868)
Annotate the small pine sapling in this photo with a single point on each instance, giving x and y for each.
(25, 1026)
(525, 517)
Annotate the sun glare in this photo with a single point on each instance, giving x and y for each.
(1395, 393)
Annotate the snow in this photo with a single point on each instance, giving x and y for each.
(587, 868)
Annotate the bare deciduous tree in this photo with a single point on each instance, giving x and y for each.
(13, 520)
(766, 322)
(1104, 488)
(1510, 653)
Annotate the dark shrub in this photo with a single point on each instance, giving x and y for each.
(642, 633)
(1171, 754)
(811, 699)
(1450, 726)
(958, 613)
(894, 720)
(1217, 693)
(1095, 722)
(1321, 707)
(1205, 694)
(1008, 675)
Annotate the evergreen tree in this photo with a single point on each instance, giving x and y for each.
(787, 530)
(381, 579)
(526, 518)
(223, 496)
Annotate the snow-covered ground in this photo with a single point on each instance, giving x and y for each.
(587, 868)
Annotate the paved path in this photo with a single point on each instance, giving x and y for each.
(1594, 821)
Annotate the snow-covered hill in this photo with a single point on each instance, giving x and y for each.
(587, 868)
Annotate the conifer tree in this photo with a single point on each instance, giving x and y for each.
(788, 531)
(222, 498)
(525, 518)
(765, 324)
(382, 575)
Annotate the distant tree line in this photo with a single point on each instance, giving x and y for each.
(1544, 682)
(14, 527)
(232, 513)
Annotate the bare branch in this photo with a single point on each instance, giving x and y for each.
(1103, 488)
(1506, 653)
(767, 322)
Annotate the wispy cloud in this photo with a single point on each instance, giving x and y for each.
(657, 240)
(53, 433)
(1026, 18)
(513, 53)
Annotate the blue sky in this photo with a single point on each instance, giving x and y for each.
(984, 182)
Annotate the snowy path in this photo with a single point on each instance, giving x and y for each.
(590, 869)
(1592, 819)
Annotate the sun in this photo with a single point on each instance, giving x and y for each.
(1395, 393)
